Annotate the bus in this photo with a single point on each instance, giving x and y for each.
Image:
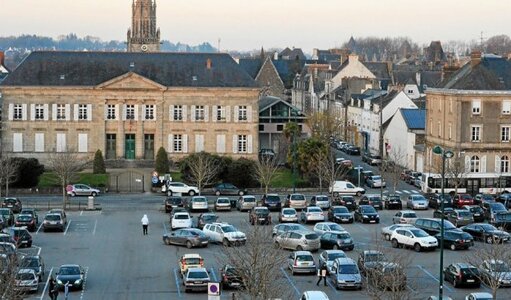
(472, 183)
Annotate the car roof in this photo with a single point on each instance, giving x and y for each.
(182, 213)
(345, 261)
(302, 253)
(325, 223)
(197, 270)
(191, 255)
(220, 224)
(25, 271)
(70, 265)
(372, 252)
(260, 207)
(316, 295)
(407, 211)
(333, 251)
(53, 214)
(198, 197)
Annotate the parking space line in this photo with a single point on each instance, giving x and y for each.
(330, 284)
(95, 225)
(415, 191)
(81, 213)
(432, 276)
(362, 227)
(291, 282)
(39, 228)
(165, 228)
(68, 224)
(46, 285)
(177, 283)
(84, 282)
(212, 270)
(399, 192)
(408, 192)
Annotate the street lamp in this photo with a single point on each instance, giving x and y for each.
(446, 154)
(295, 113)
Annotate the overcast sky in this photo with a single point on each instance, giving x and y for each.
(250, 24)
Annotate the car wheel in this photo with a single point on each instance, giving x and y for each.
(395, 243)
(191, 193)
(225, 242)
(166, 241)
(387, 237)
(299, 248)
(189, 245)
(453, 247)
(217, 193)
(417, 247)
(489, 240)
(169, 193)
(335, 247)
(94, 194)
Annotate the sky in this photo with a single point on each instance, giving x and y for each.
(252, 24)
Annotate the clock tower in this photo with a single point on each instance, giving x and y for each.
(143, 36)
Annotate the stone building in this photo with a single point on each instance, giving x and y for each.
(143, 36)
(128, 105)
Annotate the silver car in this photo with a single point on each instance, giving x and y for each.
(81, 190)
(298, 240)
(222, 204)
(416, 202)
(345, 274)
(404, 217)
(196, 279)
(328, 257)
(281, 228)
(301, 262)
(246, 203)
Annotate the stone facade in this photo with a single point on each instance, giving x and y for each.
(268, 78)
(143, 36)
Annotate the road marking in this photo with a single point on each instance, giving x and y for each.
(177, 283)
(46, 285)
(330, 284)
(399, 192)
(165, 228)
(65, 232)
(95, 225)
(81, 213)
(406, 191)
(291, 282)
(39, 228)
(38, 251)
(213, 273)
(415, 192)
(432, 276)
(362, 227)
(84, 282)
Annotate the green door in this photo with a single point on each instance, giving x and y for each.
(129, 152)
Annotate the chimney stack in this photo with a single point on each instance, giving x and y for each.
(208, 64)
(475, 58)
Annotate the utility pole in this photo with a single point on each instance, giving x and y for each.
(381, 144)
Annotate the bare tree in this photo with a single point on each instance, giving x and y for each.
(327, 169)
(456, 169)
(8, 271)
(393, 166)
(260, 266)
(493, 262)
(324, 125)
(265, 170)
(203, 169)
(8, 171)
(66, 166)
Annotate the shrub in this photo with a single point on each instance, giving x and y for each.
(241, 173)
(99, 163)
(28, 174)
(162, 163)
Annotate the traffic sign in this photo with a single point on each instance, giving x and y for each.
(214, 289)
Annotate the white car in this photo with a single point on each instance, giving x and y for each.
(179, 188)
(222, 203)
(414, 238)
(386, 232)
(479, 296)
(181, 220)
(312, 214)
(288, 215)
(323, 227)
(404, 217)
(26, 281)
(224, 233)
(345, 188)
(314, 295)
(199, 203)
(320, 201)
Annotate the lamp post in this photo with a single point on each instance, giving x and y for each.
(446, 154)
(294, 112)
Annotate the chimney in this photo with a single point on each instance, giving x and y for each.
(208, 64)
(2, 58)
(475, 58)
(448, 70)
(352, 58)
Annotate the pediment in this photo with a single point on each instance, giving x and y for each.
(131, 81)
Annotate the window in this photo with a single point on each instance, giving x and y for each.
(474, 164)
(431, 127)
(61, 142)
(242, 143)
(410, 91)
(476, 133)
(506, 107)
(110, 112)
(83, 142)
(39, 112)
(439, 129)
(261, 127)
(130, 112)
(242, 113)
(61, 112)
(17, 142)
(178, 113)
(504, 164)
(178, 143)
(476, 107)
(280, 127)
(199, 143)
(39, 142)
(220, 143)
(111, 144)
(18, 112)
(220, 113)
(504, 133)
(82, 111)
(450, 105)
(149, 112)
(199, 113)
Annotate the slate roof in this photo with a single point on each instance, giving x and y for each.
(292, 54)
(414, 118)
(379, 69)
(251, 65)
(45, 68)
(492, 73)
(268, 101)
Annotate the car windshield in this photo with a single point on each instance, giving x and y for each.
(372, 257)
(419, 233)
(196, 233)
(209, 218)
(262, 211)
(30, 262)
(503, 217)
(487, 197)
(374, 198)
(25, 218)
(418, 198)
(335, 227)
(69, 271)
(297, 197)
(376, 178)
(343, 236)
(340, 210)
(487, 227)
(448, 225)
(223, 200)
(464, 213)
(315, 209)
(181, 216)
(335, 255)
(228, 229)
(348, 269)
(289, 211)
(497, 206)
(193, 261)
(25, 276)
(199, 199)
(52, 217)
(500, 267)
(197, 274)
(273, 198)
(249, 199)
(409, 215)
(466, 197)
(295, 227)
(321, 198)
(349, 198)
(311, 236)
(368, 210)
(176, 201)
(467, 271)
(304, 257)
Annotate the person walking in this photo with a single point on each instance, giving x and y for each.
(322, 274)
(53, 290)
(145, 224)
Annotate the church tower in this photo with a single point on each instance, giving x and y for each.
(143, 36)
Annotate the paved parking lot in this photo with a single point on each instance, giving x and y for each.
(121, 263)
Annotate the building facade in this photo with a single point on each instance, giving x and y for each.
(143, 36)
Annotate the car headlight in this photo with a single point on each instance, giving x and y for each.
(59, 281)
(78, 281)
(341, 281)
(365, 217)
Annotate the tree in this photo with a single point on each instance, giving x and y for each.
(499, 44)
(393, 166)
(29, 171)
(456, 169)
(259, 264)
(324, 125)
(305, 150)
(99, 163)
(265, 170)
(9, 170)
(237, 171)
(8, 271)
(162, 163)
(66, 165)
(327, 169)
(203, 169)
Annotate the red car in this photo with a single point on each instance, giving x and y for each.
(462, 199)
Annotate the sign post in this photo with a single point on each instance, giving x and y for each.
(214, 291)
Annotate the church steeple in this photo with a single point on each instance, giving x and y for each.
(143, 36)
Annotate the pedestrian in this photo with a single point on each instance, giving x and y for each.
(145, 224)
(53, 290)
(322, 274)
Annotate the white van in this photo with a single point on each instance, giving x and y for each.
(345, 188)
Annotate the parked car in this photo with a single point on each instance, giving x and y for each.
(486, 233)
(371, 199)
(502, 220)
(301, 262)
(53, 221)
(288, 215)
(416, 202)
(323, 227)
(26, 280)
(222, 204)
(81, 189)
(491, 209)
(460, 217)
(32, 212)
(460, 200)
(371, 159)
(435, 201)
(245, 203)
(73, 275)
(181, 220)
(6, 238)
(438, 212)
(190, 261)
(320, 201)
(327, 258)
(462, 274)
(59, 211)
(196, 279)
(189, 237)
(13, 203)
(404, 217)
(432, 226)
(345, 274)
(312, 214)
(476, 211)
(228, 189)
(479, 296)
(366, 214)
(337, 240)
(314, 295)
(224, 233)
(353, 150)
(376, 181)
(173, 202)
(260, 215)
(7, 216)
(479, 199)
(272, 201)
(345, 188)
(177, 210)
(199, 203)
(9, 250)
(496, 270)
(392, 201)
(387, 231)
(505, 199)
(230, 278)
(34, 263)
(455, 240)
(370, 259)
(297, 201)
(21, 236)
(281, 228)
(26, 221)
(178, 188)
(206, 218)
(348, 201)
(414, 238)
(298, 240)
(339, 214)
